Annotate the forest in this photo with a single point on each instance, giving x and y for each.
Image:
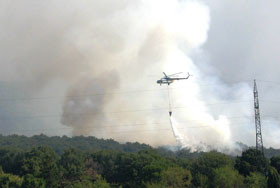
(78, 162)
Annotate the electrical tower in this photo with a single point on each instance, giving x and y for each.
(259, 142)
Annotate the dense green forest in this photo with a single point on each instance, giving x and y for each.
(85, 162)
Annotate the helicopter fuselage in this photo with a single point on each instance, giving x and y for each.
(165, 81)
(169, 80)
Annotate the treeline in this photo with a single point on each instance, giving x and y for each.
(90, 143)
(81, 162)
(42, 167)
(60, 144)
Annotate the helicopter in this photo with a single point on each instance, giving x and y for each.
(168, 79)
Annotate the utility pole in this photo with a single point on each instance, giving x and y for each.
(259, 142)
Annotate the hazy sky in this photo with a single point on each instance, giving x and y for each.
(90, 68)
(243, 44)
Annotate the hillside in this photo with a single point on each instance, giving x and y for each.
(41, 161)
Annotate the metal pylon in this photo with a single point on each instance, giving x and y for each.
(259, 142)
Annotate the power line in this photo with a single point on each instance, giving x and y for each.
(270, 82)
(124, 111)
(127, 92)
(108, 93)
(99, 112)
(79, 96)
(269, 101)
(160, 123)
(102, 127)
(96, 129)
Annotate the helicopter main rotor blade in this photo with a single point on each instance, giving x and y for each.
(175, 74)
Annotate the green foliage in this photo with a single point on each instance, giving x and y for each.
(101, 183)
(255, 180)
(201, 180)
(102, 163)
(73, 169)
(273, 178)
(203, 169)
(10, 160)
(176, 177)
(79, 184)
(41, 163)
(155, 185)
(187, 154)
(33, 182)
(72, 163)
(227, 177)
(9, 180)
(275, 162)
(251, 160)
(60, 144)
(130, 169)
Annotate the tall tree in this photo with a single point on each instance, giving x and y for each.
(203, 169)
(41, 163)
(227, 177)
(9, 180)
(77, 170)
(255, 180)
(275, 162)
(31, 181)
(250, 161)
(176, 177)
(273, 178)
